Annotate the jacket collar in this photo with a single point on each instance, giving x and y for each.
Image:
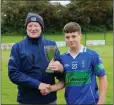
(35, 40)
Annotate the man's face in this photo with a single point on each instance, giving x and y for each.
(34, 29)
(73, 39)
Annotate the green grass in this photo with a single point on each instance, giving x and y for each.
(9, 90)
(14, 37)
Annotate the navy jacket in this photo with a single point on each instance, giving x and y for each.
(26, 68)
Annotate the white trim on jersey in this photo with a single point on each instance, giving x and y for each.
(83, 49)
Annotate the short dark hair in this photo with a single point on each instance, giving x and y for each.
(72, 27)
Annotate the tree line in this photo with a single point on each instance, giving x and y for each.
(92, 15)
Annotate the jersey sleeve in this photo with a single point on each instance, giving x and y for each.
(98, 66)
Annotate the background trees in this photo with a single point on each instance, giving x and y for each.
(92, 15)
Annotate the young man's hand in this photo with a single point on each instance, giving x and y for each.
(53, 88)
(55, 66)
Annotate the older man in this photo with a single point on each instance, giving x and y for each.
(27, 65)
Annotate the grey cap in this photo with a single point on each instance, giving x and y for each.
(33, 17)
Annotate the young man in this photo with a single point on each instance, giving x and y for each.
(27, 65)
(81, 66)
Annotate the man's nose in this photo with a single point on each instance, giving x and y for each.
(70, 39)
(33, 28)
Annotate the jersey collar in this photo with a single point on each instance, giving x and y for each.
(83, 49)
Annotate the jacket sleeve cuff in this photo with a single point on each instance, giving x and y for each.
(36, 84)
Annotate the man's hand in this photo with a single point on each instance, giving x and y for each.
(53, 88)
(43, 86)
(46, 91)
(55, 66)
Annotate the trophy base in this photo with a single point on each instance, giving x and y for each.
(49, 71)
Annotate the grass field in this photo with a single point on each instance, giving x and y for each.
(59, 37)
(9, 90)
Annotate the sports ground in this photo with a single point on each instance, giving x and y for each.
(9, 90)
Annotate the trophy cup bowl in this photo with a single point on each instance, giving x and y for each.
(50, 53)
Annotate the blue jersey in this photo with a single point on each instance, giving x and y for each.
(80, 76)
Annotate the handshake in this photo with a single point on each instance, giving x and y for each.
(45, 88)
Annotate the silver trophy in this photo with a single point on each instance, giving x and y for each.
(50, 53)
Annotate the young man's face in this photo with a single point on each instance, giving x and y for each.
(73, 39)
(34, 29)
